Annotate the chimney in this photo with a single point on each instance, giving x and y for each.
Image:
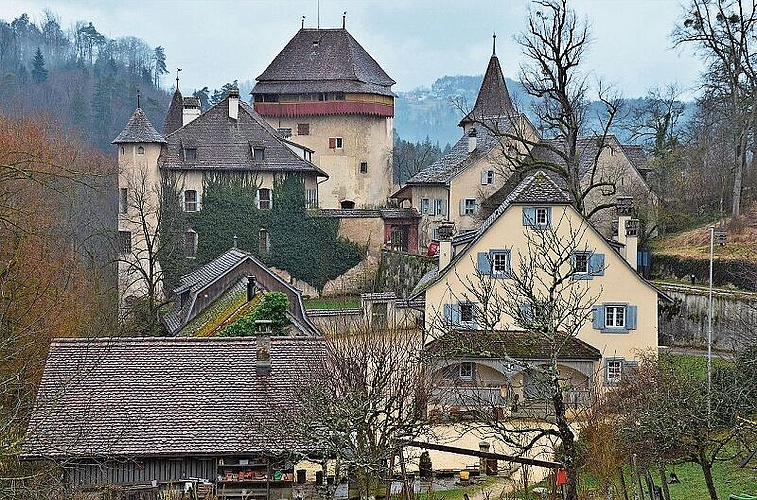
(472, 140)
(191, 110)
(446, 230)
(234, 104)
(624, 209)
(632, 242)
(263, 353)
(251, 287)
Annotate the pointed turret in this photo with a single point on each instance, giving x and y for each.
(174, 116)
(493, 101)
(139, 129)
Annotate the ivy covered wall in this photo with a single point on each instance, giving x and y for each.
(304, 245)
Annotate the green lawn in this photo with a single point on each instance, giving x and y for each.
(333, 303)
(729, 479)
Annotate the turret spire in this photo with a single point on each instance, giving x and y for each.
(494, 44)
(138, 99)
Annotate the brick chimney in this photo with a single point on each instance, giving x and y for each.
(234, 104)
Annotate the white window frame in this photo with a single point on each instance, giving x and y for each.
(191, 205)
(615, 316)
(585, 256)
(614, 370)
(472, 308)
(438, 206)
(268, 201)
(469, 207)
(541, 216)
(497, 258)
(425, 206)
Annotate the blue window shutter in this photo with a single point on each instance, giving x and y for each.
(447, 314)
(597, 264)
(455, 318)
(599, 317)
(475, 318)
(529, 216)
(549, 217)
(484, 264)
(509, 264)
(631, 317)
(525, 313)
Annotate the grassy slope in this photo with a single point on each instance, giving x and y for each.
(334, 303)
(695, 243)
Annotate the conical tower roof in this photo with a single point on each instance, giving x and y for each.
(493, 99)
(138, 129)
(174, 119)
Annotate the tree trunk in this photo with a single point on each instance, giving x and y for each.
(567, 439)
(707, 470)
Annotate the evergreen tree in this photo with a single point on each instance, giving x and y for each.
(204, 96)
(39, 73)
(159, 56)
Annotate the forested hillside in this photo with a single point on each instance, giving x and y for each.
(78, 77)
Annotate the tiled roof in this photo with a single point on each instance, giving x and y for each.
(138, 129)
(457, 159)
(223, 143)
(424, 282)
(320, 60)
(357, 213)
(493, 100)
(137, 397)
(399, 213)
(515, 344)
(538, 187)
(207, 274)
(175, 114)
(637, 156)
(587, 148)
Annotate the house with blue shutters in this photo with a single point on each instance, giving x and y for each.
(495, 286)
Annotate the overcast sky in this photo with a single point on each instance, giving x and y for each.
(415, 41)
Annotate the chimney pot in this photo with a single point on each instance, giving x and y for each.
(234, 104)
(263, 355)
(472, 140)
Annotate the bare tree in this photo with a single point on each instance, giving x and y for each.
(369, 394)
(724, 31)
(548, 309)
(151, 242)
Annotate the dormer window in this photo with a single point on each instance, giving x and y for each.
(258, 153)
(190, 155)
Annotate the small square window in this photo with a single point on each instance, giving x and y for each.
(467, 312)
(124, 242)
(258, 154)
(363, 167)
(140, 150)
(303, 129)
(466, 370)
(190, 200)
(581, 263)
(615, 316)
(336, 143)
(190, 155)
(123, 200)
(614, 371)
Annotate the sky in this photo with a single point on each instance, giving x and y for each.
(415, 41)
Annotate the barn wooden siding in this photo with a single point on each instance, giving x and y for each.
(140, 471)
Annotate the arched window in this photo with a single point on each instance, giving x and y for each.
(140, 150)
(190, 244)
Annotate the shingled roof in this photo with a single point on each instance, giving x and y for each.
(457, 159)
(143, 397)
(493, 101)
(222, 143)
(323, 60)
(138, 129)
(175, 114)
(515, 344)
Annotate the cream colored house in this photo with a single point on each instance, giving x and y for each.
(327, 93)
(228, 139)
(476, 167)
(619, 307)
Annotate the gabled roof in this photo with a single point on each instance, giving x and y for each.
(515, 344)
(222, 143)
(537, 188)
(175, 114)
(138, 129)
(637, 156)
(493, 100)
(222, 266)
(150, 396)
(323, 60)
(457, 159)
